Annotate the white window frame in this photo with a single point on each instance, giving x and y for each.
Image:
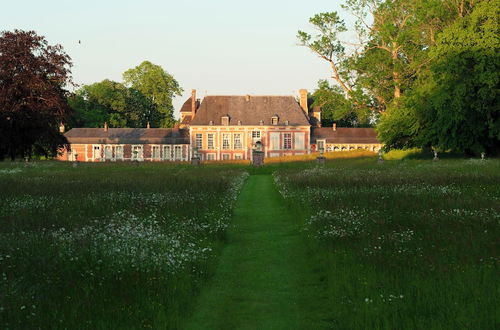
(238, 156)
(177, 152)
(140, 153)
(300, 141)
(256, 136)
(198, 141)
(108, 147)
(211, 156)
(287, 141)
(153, 146)
(226, 156)
(167, 152)
(237, 143)
(226, 141)
(119, 147)
(210, 141)
(94, 148)
(274, 139)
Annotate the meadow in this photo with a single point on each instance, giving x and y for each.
(108, 245)
(404, 244)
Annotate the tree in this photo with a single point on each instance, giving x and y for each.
(459, 105)
(112, 102)
(33, 76)
(454, 104)
(158, 86)
(335, 107)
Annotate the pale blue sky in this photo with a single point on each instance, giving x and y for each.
(217, 47)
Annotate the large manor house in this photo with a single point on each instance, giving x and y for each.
(223, 128)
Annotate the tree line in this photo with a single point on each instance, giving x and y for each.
(35, 100)
(425, 73)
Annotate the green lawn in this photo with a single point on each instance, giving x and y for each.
(265, 278)
(349, 245)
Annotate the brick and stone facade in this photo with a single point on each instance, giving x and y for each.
(222, 128)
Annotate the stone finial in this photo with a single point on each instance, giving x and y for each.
(148, 125)
(105, 126)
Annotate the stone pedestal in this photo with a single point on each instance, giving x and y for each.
(321, 159)
(257, 158)
(195, 161)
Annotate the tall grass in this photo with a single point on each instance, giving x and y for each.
(410, 244)
(108, 245)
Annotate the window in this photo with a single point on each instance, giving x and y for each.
(226, 156)
(96, 152)
(299, 141)
(237, 141)
(210, 156)
(178, 152)
(199, 141)
(210, 141)
(108, 152)
(275, 141)
(137, 152)
(119, 152)
(167, 152)
(155, 152)
(255, 136)
(287, 141)
(225, 141)
(238, 156)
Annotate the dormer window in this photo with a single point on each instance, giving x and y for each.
(274, 120)
(225, 120)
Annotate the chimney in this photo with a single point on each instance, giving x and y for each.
(303, 100)
(61, 128)
(105, 126)
(148, 126)
(317, 115)
(334, 126)
(193, 103)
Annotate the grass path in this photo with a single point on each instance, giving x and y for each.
(265, 279)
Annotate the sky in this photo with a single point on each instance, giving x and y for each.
(218, 47)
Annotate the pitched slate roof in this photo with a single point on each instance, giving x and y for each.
(250, 110)
(186, 107)
(344, 135)
(128, 135)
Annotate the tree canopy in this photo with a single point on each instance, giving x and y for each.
(33, 78)
(427, 69)
(158, 86)
(145, 96)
